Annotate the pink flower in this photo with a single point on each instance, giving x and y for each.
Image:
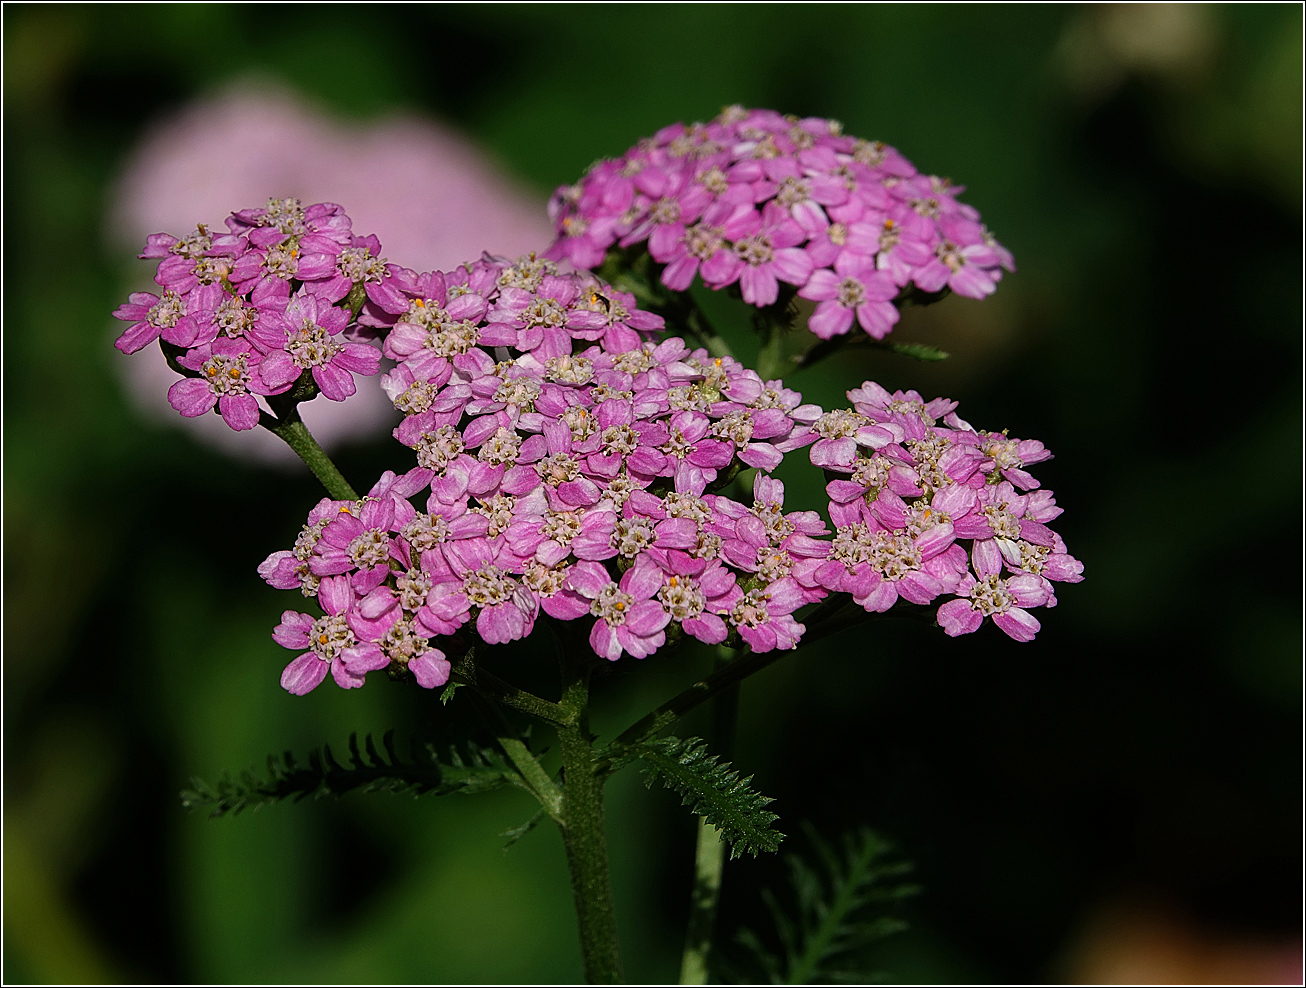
(966, 504)
(307, 343)
(228, 376)
(853, 288)
(506, 610)
(430, 194)
(1003, 600)
(755, 198)
(331, 643)
(629, 619)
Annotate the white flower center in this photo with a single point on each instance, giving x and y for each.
(612, 604)
(436, 450)
(754, 250)
(311, 346)
(167, 310)
(357, 264)
(413, 587)
(226, 375)
(498, 509)
(632, 536)
(681, 598)
(488, 586)
(372, 548)
(425, 532)
(501, 448)
(330, 635)
(750, 611)
(233, 317)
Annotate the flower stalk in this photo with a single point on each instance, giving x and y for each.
(584, 838)
(291, 430)
(710, 847)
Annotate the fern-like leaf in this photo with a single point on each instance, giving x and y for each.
(370, 770)
(919, 351)
(835, 910)
(514, 834)
(711, 789)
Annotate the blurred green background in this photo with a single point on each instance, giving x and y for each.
(1144, 754)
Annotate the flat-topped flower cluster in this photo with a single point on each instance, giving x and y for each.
(924, 505)
(568, 465)
(287, 292)
(755, 198)
(571, 457)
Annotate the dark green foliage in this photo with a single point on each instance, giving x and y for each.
(479, 770)
(514, 834)
(712, 789)
(918, 351)
(834, 911)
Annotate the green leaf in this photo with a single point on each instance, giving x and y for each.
(919, 351)
(711, 789)
(514, 834)
(835, 909)
(424, 771)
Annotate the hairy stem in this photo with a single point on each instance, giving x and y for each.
(583, 836)
(290, 428)
(541, 786)
(487, 684)
(544, 788)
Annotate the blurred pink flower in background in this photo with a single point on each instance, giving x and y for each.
(431, 195)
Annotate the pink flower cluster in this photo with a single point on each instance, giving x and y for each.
(568, 465)
(755, 198)
(253, 309)
(925, 505)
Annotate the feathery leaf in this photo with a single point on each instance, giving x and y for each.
(710, 788)
(368, 769)
(835, 911)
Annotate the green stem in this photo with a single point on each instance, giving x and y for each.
(544, 788)
(490, 685)
(583, 837)
(774, 323)
(290, 428)
(697, 322)
(537, 780)
(709, 864)
(710, 850)
(771, 361)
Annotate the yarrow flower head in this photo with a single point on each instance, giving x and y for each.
(755, 198)
(939, 508)
(284, 295)
(567, 463)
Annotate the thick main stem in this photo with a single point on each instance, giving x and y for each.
(584, 839)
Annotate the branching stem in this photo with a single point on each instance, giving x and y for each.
(490, 685)
(835, 614)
